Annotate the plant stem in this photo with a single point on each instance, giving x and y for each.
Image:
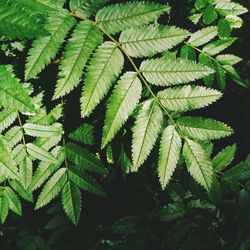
(21, 125)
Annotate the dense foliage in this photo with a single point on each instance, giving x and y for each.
(113, 99)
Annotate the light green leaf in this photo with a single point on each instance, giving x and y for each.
(184, 98)
(26, 171)
(121, 104)
(228, 59)
(37, 130)
(230, 8)
(52, 188)
(20, 190)
(105, 67)
(45, 48)
(13, 200)
(202, 128)
(40, 153)
(118, 17)
(6, 160)
(224, 157)
(85, 38)
(203, 36)
(145, 132)
(162, 72)
(218, 46)
(12, 92)
(13, 136)
(149, 40)
(7, 117)
(169, 154)
(198, 164)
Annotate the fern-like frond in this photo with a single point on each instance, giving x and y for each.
(13, 136)
(105, 66)
(26, 171)
(19, 153)
(224, 157)
(218, 46)
(12, 92)
(83, 158)
(121, 104)
(72, 201)
(230, 8)
(85, 38)
(48, 142)
(184, 98)
(4, 209)
(152, 39)
(86, 8)
(52, 188)
(7, 117)
(228, 59)
(45, 169)
(203, 36)
(165, 72)
(145, 132)
(44, 49)
(83, 134)
(202, 128)
(13, 200)
(84, 181)
(40, 153)
(37, 130)
(198, 164)
(7, 164)
(169, 154)
(118, 17)
(16, 20)
(21, 191)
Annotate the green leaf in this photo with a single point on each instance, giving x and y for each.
(198, 164)
(209, 14)
(82, 158)
(220, 75)
(224, 28)
(85, 38)
(72, 201)
(19, 153)
(163, 72)
(52, 188)
(104, 69)
(46, 169)
(86, 8)
(13, 200)
(13, 136)
(117, 17)
(203, 36)
(208, 61)
(45, 48)
(6, 160)
(48, 142)
(228, 59)
(224, 157)
(7, 117)
(37, 130)
(26, 171)
(169, 154)
(12, 92)
(20, 190)
(188, 53)
(202, 128)
(145, 132)
(184, 98)
(83, 134)
(218, 46)
(147, 41)
(84, 181)
(121, 104)
(230, 8)
(40, 153)
(4, 209)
